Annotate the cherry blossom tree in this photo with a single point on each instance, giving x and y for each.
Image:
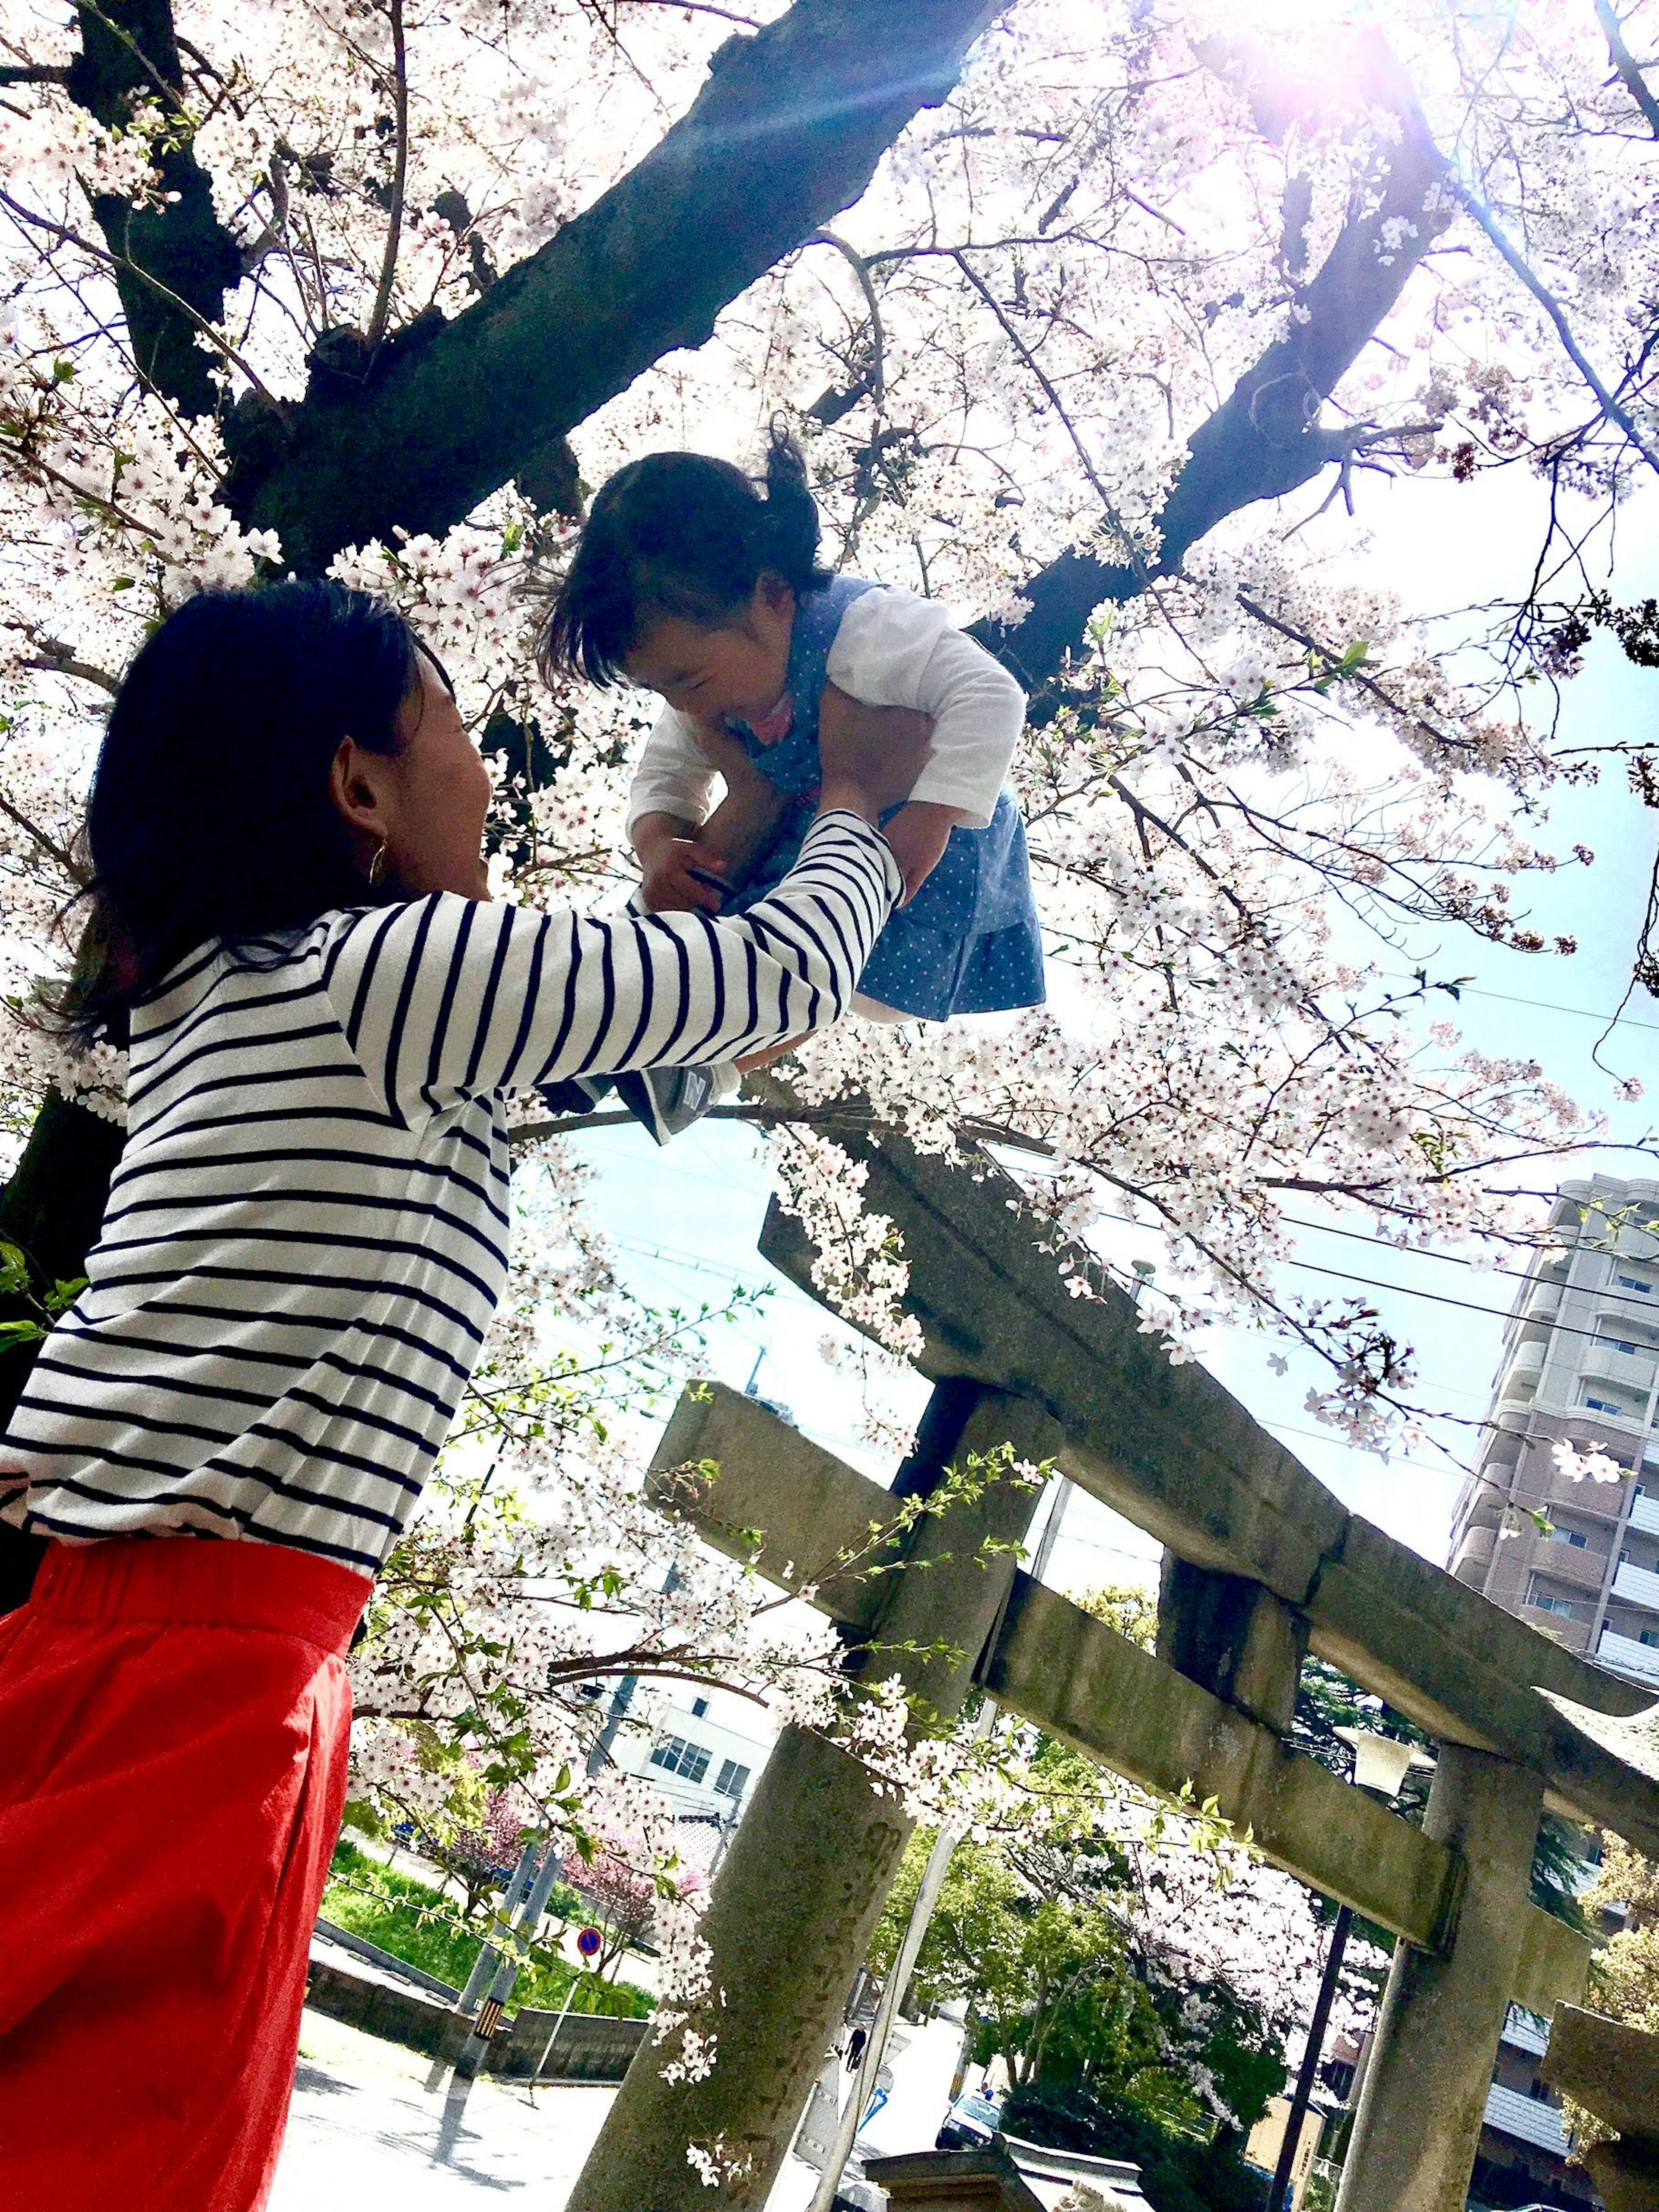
(1118, 302)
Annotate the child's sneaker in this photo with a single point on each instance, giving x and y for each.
(667, 1099)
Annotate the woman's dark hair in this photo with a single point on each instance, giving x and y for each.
(679, 534)
(211, 813)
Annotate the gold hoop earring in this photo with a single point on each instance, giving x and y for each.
(377, 865)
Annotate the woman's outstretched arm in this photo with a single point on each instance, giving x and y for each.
(445, 997)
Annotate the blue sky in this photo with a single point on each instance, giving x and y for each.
(685, 1219)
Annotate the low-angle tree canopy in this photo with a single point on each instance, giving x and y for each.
(1096, 318)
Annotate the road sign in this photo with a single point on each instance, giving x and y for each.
(590, 1942)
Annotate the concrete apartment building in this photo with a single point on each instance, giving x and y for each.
(1580, 1362)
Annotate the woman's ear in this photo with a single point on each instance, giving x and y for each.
(357, 784)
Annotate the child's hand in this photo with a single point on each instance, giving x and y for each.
(666, 883)
(918, 833)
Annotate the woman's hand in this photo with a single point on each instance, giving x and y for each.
(919, 834)
(870, 756)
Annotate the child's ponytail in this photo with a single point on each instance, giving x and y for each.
(790, 515)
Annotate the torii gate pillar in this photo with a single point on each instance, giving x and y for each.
(1418, 2121)
(798, 1897)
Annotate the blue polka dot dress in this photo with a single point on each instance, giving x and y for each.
(969, 943)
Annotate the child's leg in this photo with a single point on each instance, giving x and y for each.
(873, 1011)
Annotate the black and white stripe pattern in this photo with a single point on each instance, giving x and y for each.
(306, 1235)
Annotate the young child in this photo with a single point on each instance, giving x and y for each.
(691, 582)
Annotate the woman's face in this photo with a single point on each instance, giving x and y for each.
(426, 803)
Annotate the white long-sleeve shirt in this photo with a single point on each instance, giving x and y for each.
(893, 649)
(306, 1234)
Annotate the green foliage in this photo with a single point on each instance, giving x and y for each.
(1036, 1932)
(1132, 1610)
(418, 1924)
(1177, 2175)
(40, 1308)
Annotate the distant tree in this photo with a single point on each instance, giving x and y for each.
(625, 1886)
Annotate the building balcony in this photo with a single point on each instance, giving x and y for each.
(1627, 1656)
(1644, 1515)
(1519, 1382)
(1630, 1373)
(1527, 2119)
(1472, 1555)
(1638, 1585)
(1572, 1630)
(1576, 1563)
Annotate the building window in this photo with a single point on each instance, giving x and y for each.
(733, 1779)
(1576, 1537)
(1543, 1600)
(676, 1756)
(1603, 1405)
(1634, 1283)
(1621, 1344)
(699, 1707)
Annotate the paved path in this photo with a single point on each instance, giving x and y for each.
(372, 2126)
(365, 2130)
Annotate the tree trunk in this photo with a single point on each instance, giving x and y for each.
(786, 132)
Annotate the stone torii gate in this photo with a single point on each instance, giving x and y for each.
(1263, 1563)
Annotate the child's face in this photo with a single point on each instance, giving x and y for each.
(736, 672)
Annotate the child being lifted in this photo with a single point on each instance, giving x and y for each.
(691, 581)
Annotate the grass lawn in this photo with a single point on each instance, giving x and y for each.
(439, 1947)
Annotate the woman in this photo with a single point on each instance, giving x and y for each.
(304, 1242)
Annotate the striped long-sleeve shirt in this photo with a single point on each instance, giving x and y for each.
(306, 1235)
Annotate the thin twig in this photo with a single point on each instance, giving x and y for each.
(222, 345)
(1610, 405)
(861, 269)
(1053, 396)
(377, 320)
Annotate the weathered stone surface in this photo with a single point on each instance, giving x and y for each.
(1609, 2068)
(1054, 1664)
(1173, 1450)
(1419, 2116)
(797, 1898)
(775, 1493)
(792, 1913)
(953, 2181)
(1234, 1636)
(775, 1498)
(1626, 2176)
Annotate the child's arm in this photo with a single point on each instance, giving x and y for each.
(670, 799)
(676, 838)
(895, 649)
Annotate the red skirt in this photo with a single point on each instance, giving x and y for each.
(173, 1718)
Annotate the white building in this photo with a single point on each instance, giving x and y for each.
(1580, 1363)
(700, 1750)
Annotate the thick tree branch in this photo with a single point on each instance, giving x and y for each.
(1266, 438)
(1626, 63)
(786, 132)
(174, 264)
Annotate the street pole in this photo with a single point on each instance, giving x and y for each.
(1279, 2194)
(892, 1996)
(547, 2048)
(470, 2057)
(484, 1966)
